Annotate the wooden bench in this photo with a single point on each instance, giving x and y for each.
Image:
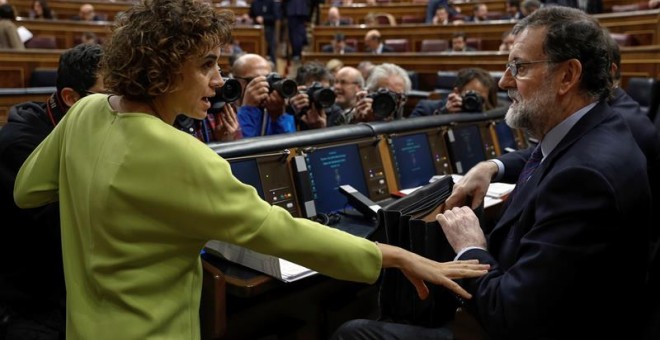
(65, 9)
(68, 32)
(644, 25)
(637, 61)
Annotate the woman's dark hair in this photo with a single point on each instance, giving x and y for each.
(154, 38)
(48, 13)
(466, 75)
(573, 34)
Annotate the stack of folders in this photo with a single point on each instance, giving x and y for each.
(497, 192)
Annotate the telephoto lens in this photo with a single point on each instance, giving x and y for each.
(321, 96)
(287, 88)
(229, 92)
(384, 103)
(472, 102)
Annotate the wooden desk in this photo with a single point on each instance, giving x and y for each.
(637, 61)
(68, 32)
(65, 9)
(358, 10)
(644, 25)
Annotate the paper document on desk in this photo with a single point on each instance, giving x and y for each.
(496, 193)
(278, 268)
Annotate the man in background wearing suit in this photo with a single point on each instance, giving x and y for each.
(374, 43)
(568, 226)
(32, 292)
(335, 19)
(338, 45)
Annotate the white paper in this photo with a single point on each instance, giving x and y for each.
(24, 33)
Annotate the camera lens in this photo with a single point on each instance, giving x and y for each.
(384, 104)
(230, 91)
(472, 102)
(321, 96)
(287, 88)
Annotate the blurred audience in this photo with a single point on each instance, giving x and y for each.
(9, 37)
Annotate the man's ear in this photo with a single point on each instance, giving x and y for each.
(571, 75)
(69, 96)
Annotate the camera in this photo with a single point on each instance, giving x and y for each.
(229, 92)
(385, 103)
(321, 96)
(472, 102)
(287, 88)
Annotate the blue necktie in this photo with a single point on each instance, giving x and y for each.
(532, 163)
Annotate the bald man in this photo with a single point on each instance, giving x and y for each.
(374, 43)
(260, 110)
(87, 13)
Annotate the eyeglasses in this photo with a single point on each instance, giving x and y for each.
(514, 66)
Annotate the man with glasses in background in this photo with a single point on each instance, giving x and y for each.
(32, 294)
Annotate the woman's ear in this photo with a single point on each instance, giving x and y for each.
(69, 96)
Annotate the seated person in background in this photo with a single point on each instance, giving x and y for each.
(530, 6)
(33, 301)
(260, 109)
(87, 13)
(441, 16)
(335, 19)
(459, 44)
(645, 133)
(507, 42)
(365, 68)
(468, 80)
(374, 44)
(433, 5)
(41, 10)
(389, 79)
(338, 45)
(232, 47)
(479, 13)
(513, 11)
(311, 114)
(9, 37)
(348, 82)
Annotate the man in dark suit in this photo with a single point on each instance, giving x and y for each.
(335, 19)
(567, 226)
(338, 45)
(459, 43)
(374, 43)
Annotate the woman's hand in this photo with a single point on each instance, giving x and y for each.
(419, 270)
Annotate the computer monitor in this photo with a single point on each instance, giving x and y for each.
(505, 137)
(466, 147)
(271, 176)
(412, 159)
(332, 166)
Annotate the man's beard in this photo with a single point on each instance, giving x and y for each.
(530, 114)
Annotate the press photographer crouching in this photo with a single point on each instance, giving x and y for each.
(475, 90)
(384, 98)
(314, 105)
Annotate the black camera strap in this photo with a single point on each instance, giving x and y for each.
(56, 108)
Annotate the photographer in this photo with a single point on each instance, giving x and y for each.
(314, 105)
(386, 81)
(475, 90)
(260, 110)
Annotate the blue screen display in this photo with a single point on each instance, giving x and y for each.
(413, 159)
(331, 167)
(466, 147)
(247, 171)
